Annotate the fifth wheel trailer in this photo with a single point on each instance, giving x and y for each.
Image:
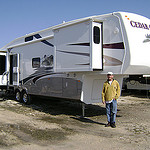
(71, 60)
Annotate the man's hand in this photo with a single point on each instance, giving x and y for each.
(103, 102)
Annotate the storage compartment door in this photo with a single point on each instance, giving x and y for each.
(97, 46)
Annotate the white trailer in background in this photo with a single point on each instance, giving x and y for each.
(137, 82)
(3, 70)
(71, 60)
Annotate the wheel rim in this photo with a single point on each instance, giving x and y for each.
(18, 96)
(25, 97)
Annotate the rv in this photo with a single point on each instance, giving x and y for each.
(71, 60)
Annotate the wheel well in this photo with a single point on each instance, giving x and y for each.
(17, 90)
(23, 91)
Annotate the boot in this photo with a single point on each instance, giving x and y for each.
(108, 124)
(113, 125)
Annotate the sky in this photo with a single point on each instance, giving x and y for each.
(21, 17)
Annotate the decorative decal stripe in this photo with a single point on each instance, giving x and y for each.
(114, 45)
(110, 61)
(43, 75)
(36, 78)
(111, 46)
(83, 54)
(81, 44)
(84, 64)
(37, 36)
(26, 79)
(46, 42)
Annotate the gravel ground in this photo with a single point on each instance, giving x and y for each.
(55, 124)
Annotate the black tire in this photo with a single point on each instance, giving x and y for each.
(26, 98)
(18, 96)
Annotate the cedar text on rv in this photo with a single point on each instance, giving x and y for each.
(139, 25)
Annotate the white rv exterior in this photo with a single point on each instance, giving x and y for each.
(71, 60)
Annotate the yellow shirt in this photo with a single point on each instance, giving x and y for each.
(110, 92)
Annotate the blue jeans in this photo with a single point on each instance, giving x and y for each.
(111, 111)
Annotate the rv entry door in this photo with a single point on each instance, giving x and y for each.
(14, 69)
(97, 46)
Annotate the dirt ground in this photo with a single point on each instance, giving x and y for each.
(55, 124)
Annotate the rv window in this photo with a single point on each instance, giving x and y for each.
(14, 60)
(30, 38)
(2, 64)
(36, 62)
(96, 34)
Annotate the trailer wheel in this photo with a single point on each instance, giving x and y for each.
(18, 96)
(26, 98)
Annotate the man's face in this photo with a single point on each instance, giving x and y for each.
(110, 77)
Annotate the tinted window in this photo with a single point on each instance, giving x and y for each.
(15, 60)
(30, 38)
(96, 34)
(36, 62)
(2, 64)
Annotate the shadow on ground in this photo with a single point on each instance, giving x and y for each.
(87, 120)
(55, 106)
(136, 93)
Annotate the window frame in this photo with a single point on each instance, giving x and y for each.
(36, 65)
(96, 35)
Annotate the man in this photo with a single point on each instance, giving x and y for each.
(110, 94)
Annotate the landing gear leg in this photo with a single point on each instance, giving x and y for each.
(83, 110)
